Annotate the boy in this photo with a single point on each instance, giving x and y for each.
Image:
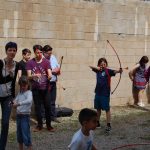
(102, 90)
(23, 103)
(47, 51)
(83, 138)
(26, 54)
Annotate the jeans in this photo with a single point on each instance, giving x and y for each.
(53, 93)
(41, 97)
(23, 129)
(6, 110)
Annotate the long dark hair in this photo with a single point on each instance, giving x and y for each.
(102, 60)
(144, 60)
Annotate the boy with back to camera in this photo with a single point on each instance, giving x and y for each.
(83, 138)
(23, 103)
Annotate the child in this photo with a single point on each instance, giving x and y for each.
(147, 74)
(47, 51)
(102, 90)
(83, 138)
(23, 103)
(26, 54)
(137, 76)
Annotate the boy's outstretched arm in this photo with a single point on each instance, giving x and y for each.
(95, 69)
(119, 71)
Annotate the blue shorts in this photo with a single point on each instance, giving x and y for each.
(102, 102)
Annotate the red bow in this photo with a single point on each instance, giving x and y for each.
(119, 64)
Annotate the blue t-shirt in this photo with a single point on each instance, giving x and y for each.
(102, 86)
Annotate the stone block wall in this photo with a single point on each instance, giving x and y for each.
(78, 30)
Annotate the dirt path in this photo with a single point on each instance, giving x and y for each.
(129, 126)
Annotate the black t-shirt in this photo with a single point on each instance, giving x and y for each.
(102, 86)
(22, 66)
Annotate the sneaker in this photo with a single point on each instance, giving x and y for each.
(108, 129)
(51, 129)
(37, 129)
(141, 104)
(98, 124)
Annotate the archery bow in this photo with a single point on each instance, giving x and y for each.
(119, 64)
(61, 61)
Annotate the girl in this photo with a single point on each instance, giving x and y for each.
(102, 90)
(137, 76)
(23, 103)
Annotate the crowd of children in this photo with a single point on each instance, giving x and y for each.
(37, 81)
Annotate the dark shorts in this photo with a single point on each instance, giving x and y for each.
(102, 102)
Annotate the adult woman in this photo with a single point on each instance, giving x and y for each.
(39, 72)
(137, 76)
(8, 73)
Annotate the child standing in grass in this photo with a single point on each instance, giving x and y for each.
(137, 76)
(83, 138)
(23, 103)
(102, 90)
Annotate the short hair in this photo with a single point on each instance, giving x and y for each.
(47, 48)
(10, 45)
(25, 51)
(35, 47)
(23, 80)
(144, 60)
(101, 60)
(86, 114)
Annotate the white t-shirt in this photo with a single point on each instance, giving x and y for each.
(81, 142)
(54, 64)
(25, 101)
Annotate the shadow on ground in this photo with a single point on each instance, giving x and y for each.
(130, 125)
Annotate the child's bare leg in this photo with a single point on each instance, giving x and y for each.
(135, 93)
(29, 147)
(98, 114)
(140, 96)
(108, 117)
(20, 146)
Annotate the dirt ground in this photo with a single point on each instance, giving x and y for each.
(130, 125)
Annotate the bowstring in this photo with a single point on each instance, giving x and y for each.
(106, 45)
